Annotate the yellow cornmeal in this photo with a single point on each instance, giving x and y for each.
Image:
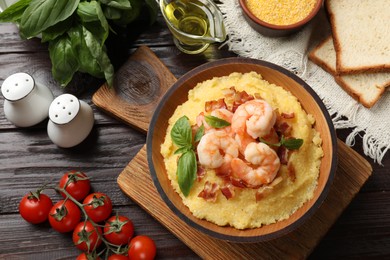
(281, 12)
(242, 211)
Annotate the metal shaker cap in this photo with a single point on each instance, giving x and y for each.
(64, 109)
(17, 86)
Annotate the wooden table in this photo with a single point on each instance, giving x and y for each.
(28, 159)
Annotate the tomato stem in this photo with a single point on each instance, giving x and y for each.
(109, 246)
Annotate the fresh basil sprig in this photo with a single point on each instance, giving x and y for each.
(76, 31)
(290, 143)
(181, 135)
(216, 122)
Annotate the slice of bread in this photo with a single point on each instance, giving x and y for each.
(361, 33)
(367, 88)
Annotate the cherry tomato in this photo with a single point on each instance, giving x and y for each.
(84, 256)
(117, 257)
(98, 206)
(85, 237)
(142, 247)
(64, 216)
(118, 230)
(76, 183)
(34, 207)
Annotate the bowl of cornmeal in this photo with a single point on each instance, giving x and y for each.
(242, 150)
(279, 18)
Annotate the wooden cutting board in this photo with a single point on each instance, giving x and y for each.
(145, 75)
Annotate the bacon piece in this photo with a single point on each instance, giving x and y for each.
(200, 173)
(240, 98)
(264, 191)
(288, 115)
(283, 128)
(283, 155)
(228, 191)
(238, 183)
(209, 192)
(215, 104)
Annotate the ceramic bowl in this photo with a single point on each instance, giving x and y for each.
(273, 30)
(177, 95)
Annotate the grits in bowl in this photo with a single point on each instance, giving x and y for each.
(226, 199)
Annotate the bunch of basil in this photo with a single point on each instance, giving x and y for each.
(76, 31)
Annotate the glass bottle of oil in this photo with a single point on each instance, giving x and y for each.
(194, 23)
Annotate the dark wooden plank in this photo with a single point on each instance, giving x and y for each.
(20, 240)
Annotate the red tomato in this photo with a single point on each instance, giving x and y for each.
(76, 183)
(98, 206)
(142, 247)
(35, 207)
(118, 257)
(118, 230)
(84, 256)
(85, 237)
(64, 217)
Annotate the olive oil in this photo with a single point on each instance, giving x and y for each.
(189, 16)
(193, 23)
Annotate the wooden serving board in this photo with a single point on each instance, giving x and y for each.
(135, 180)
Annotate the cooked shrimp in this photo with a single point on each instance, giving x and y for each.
(221, 113)
(216, 149)
(254, 117)
(263, 165)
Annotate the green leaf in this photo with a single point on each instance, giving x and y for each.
(41, 14)
(182, 150)
(93, 18)
(186, 171)
(153, 9)
(64, 60)
(117, 4)
(100, 55)
(87, 63)
(216, 122)
(199, 133)
(14, 12)
(129, 15)
(57, 30)
(112, 13)
(181, 132)
(291, 143)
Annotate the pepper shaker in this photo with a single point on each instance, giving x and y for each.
(26, 101)
(70, 121)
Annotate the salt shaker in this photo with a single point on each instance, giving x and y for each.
(70, 121)
(26, 101)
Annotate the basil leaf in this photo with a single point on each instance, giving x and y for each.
(292, 143)
(64, 60)
(199, 133)
(111, 13)
(99, 54)
(92, 17)
(87, 63)
(41, 14)
(129, 15)
(182, 150)
(186, 171)
(181, 132)
(216, 122)
(57, 30)
(117, 4)
(152, 9)
(14, 12)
